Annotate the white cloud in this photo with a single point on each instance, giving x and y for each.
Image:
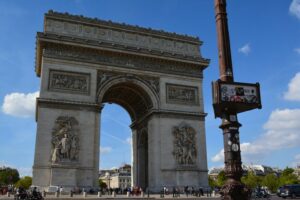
(245, 49)
(20, 104)
(296, 161)
(295, 8)
(25, 171)
(281, 131)
(129, 140)
(293, 93)
(218, 157)
(105, 150)
(297, 50)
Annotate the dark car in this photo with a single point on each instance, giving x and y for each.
(290, 191)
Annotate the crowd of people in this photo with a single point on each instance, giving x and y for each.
(187, 190)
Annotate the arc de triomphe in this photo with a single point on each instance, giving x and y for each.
(155, 75)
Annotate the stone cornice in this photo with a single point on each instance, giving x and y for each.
(170, 113)
(61, 50)
(66, 104)
(120, 26)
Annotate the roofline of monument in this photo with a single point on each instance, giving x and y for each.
(122, 26)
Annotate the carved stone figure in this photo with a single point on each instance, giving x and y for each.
(185, 151)
(65, 140)
(67, 81)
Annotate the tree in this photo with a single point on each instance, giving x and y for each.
(24, 182)
(221, 178)
(102, 184)
(8, 176)
(271, 181)
(211, 182)
(251, 180)
(287, 177)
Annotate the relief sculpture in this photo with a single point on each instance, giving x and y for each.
(185, 151)
(181, 94)
(65, 140)
(75, 82)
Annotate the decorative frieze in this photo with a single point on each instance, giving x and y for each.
(65, 140)
(62, 81)
(180, 94)
(185, 151)
(99, 57)
(119, 36)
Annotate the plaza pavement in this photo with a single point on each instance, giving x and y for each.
(124, 197)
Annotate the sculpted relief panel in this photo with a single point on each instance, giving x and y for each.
(65, 141)
(185, 151)
(62, 81)
(180, 94)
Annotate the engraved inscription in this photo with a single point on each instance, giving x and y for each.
(69, 81)
(182, 94)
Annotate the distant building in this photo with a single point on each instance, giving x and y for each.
(297, 171)
(258, 170)
(117, 178)
(214, 172)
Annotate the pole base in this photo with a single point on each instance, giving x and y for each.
(235, 190)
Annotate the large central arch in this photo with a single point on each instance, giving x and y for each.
(138, 98)
(155, 75)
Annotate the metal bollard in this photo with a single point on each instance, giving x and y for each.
(113, 194)
(99, 194)
(84, 194)
(142, 194)
(213, 193)
(8, 194)
(128, 194)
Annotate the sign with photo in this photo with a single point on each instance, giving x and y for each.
(239, 93)
(235, 97)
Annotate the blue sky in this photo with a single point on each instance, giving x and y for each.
(265, 47)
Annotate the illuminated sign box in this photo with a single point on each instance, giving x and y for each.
(235, 97)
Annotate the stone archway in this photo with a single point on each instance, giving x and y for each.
(138, 97)
(155, 75)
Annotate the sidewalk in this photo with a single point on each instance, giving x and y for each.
(124, 197)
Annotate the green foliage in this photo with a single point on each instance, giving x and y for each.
(251, 180)
(102, 184)
(287, 177)
(221, 178)
(287, 171)
(24, 182)
(271, 181)
(212, 183)
(8, 176)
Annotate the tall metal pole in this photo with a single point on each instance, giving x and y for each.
(233, 188)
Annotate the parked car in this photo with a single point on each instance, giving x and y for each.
(292, 191)
(279, 191)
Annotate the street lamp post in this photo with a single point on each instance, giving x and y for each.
(231, 98)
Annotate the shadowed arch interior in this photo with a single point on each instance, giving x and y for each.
(130, 96)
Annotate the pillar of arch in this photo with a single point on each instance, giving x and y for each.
(155, 76)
